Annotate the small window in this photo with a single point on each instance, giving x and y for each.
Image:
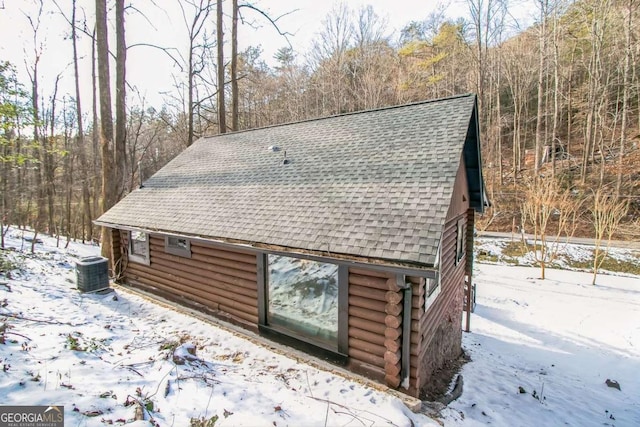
(460, 241)
(139, 247)
(431, 285)
(177, 246)
(432, 290)
(302, 298)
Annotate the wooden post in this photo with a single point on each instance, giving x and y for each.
(469, 266)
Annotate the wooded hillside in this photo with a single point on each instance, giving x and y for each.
(558, 103)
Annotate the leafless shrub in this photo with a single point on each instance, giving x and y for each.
(607, 212)
(549, 213)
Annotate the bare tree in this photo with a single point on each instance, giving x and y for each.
(109, 185)
(327, 60)
(371, 63)
(543, 6)
(13, 115)
(518, 63)
(87, 227)
(198, 43)
(95, 129)
(487, 19)
(47, 158)
(222, 121)
(607, 212)
(556, 92)
(121, 108)
(548, 212)
(233, 72)
(33, 72)
(598, 14)
(234, 67)
(626, 90)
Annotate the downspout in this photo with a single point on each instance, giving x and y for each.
(405, 372)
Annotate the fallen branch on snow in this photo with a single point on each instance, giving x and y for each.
(351, 410)
(50, 322)
(4, 330)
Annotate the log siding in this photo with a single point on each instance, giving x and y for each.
(436, 332)
(227, 283)
(426, 326)
(219, 281)
(367, 292)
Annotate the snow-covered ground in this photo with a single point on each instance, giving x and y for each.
(101, 355)
(541, 353)
(560, 339)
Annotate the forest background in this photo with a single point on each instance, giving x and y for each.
(558, 100)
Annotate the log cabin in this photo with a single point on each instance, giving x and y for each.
(349, 237)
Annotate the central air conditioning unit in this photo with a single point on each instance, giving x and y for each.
(92, 274)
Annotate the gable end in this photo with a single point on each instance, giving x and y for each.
(473, 164)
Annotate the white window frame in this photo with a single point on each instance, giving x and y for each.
(142, 259)
(430, 297)
(435, 291)
(460, 252)
(177, 249)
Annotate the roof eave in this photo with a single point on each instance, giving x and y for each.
(395, 265)
(473, 163)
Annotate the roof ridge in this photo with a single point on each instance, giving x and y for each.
(350, 113)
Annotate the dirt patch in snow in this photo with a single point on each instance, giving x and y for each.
(442, 379)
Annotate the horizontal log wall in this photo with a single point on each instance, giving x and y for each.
(220, 281)
(436, 332)
(375, 325)
(224, 282)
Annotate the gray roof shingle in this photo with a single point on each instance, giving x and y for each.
(371, 184)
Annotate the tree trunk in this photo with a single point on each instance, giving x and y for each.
(625, 94)
(95, 131)
(222, 125)
(106, 123)
(499, 122)
(556, 95)
(234, 68)
(48, 166)
(541, 95)
(86, 195)
(598, 22)
(121, 119)
(190, 90)
(37, 148)
(569, 106)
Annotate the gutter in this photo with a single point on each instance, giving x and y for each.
(378, 264)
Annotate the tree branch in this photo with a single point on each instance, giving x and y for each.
(273, 22)
(50, 322)
(165, 50)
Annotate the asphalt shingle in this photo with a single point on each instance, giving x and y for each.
(373, 184)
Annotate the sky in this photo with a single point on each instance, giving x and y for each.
(150, 70)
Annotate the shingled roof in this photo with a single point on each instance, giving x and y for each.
(373, 184)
